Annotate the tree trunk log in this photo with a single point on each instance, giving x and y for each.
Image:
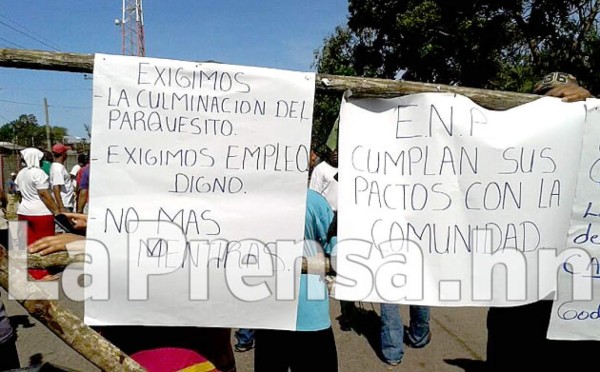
(328, 84)
(42, 60)
(54, 260)
(71, 329)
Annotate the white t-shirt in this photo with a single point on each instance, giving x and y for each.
(60, 177)
(322, 181)
(30, 180)
(73, 173)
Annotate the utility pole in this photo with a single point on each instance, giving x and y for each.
(49, 144)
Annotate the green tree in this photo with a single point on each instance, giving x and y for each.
(57, 134)
(335, 58)
(492, 44)
(26, 131)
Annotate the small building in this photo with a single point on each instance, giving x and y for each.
(10, 160)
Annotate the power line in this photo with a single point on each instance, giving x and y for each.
(26, 29)
(53, 106)
(29, 36)
(19, 103)
(14, 44)
(27, 89)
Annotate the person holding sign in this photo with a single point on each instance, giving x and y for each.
(518, 334)
(156, 348)
(312, 346)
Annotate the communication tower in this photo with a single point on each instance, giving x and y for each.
(132, 28)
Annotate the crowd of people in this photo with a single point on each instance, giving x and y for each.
(43, 189)
(40, 190)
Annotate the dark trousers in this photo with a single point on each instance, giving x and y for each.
(297, 350)
(9, 359)
(517, 341)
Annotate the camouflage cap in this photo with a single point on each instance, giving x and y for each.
(552, 80)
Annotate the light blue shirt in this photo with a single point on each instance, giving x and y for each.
(313, 300)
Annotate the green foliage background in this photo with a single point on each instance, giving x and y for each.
(27, 132)
(491, 44)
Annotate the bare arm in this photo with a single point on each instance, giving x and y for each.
(52, 244)
(81, 200)
(58, 199)
(570, 93)
(49, 201)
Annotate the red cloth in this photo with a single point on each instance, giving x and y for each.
(171, 359)
(38, 227)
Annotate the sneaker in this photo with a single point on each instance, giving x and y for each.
(345, 327)
(416, 344)
(240, 348)
(393, 363)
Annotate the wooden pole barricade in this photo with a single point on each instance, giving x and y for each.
(328, 84)
(63, 259)
(70, 328)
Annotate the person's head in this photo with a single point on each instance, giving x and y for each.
(561, 85)
(82, 159)
(333, 157)
(32, 157)
(553, 80)
(59, 151)
(314, 159)
(13, 175)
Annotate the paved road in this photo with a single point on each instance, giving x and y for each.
(458, 342)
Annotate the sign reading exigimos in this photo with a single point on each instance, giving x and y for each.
(197, 170)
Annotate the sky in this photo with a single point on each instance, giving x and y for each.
(280, 34)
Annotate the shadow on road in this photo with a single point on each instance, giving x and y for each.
(469, 365)
(364, 322)
(21, 320)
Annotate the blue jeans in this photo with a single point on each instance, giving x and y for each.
(244, 336)
(392, 329)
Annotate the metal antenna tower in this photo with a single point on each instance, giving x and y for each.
(132, 27)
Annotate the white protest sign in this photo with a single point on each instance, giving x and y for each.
(197, 170)
(435, 191)
(576, 310)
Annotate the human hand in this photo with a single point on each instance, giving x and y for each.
(52, 244)
(79, 220)
(569, 93)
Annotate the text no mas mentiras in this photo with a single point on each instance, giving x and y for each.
(126, 220)
(178, 253)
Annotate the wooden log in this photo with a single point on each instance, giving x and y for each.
(54, 260)
(328, 84)
(71, 329)
(372, 87)
(62, 259)
(43, 60)
(318, 264)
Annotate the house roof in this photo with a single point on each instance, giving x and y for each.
(10, 146)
